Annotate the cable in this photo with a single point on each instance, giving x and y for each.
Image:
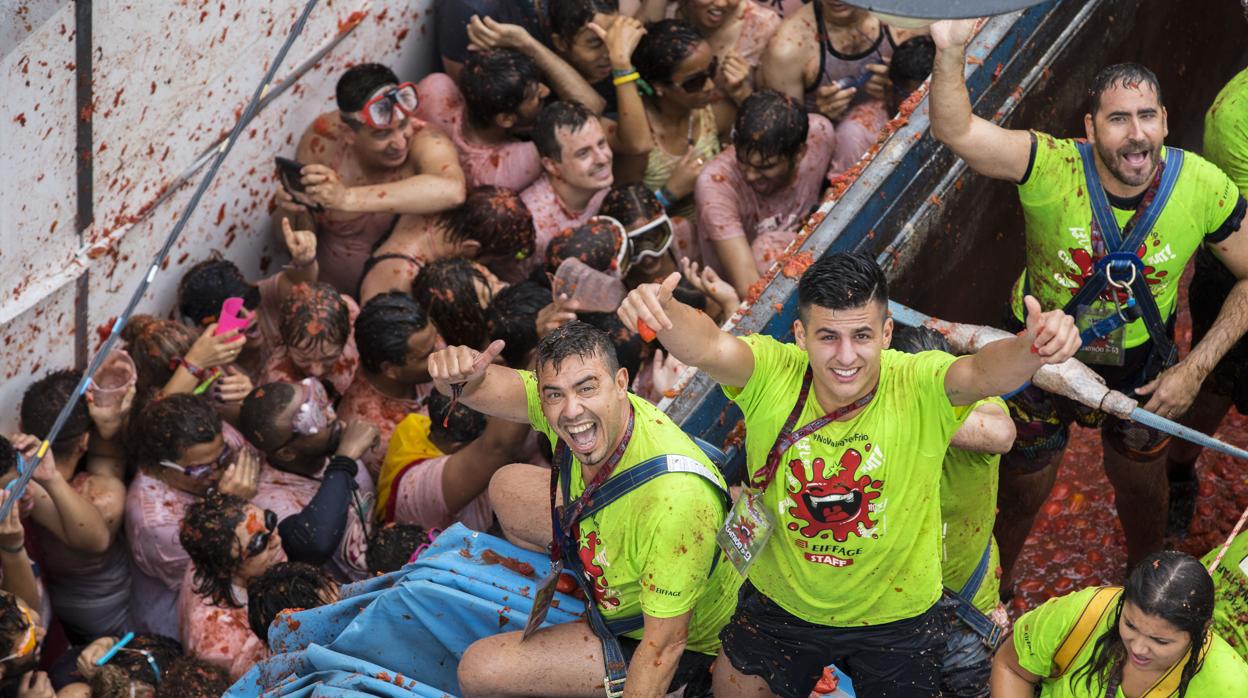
(26, 467)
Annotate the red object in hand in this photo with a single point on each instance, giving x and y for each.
(827, 683)
(647, 334)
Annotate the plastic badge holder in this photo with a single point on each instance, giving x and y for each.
(593, 290)
(115, 376)
(232, 316)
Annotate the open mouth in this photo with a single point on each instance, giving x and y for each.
(1136, 159)
(583, 437)
(845, 375)
(1138, 660)
(714, 15)
(834, 508)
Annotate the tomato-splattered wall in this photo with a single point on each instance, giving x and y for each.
(169, 80)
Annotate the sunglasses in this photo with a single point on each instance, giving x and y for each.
(260, 541)
(379, 112)
(29, 641)
(697, 81)
(203, 471)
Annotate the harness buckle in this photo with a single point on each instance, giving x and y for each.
(613, 687)
(1121, 286)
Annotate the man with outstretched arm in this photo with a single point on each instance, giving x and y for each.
(844, 450)
(1111, 222)
(646, 558)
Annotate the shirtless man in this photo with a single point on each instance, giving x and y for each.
(364, 165)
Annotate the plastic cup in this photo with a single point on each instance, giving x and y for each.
(113, 379)
(595, 291)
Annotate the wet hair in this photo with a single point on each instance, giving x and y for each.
(512, 317)
(286, 585)
(392, 545)
(315, 315)
(207, 535)
(152, 343)
(8, 456)
(914, 340)
(42, 404)
(912, 62)
(841, 281)
(571, 116)
(595, 243)
(568, 17)
(496, 82)
(447, 289)
(666, 44)
(258, 416)
(359, 83)
(463, 424)
(1125, 75)
(12, 624)
(770, 125)
(383, 327)
(205, 286)
(133, 666)
(191, 677)
(627, 203)
(497, 218)
(628, 345)
(576, 338)
(1172, 586)
(168, 426)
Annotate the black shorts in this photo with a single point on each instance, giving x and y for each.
(902, 658)
(1210, 286)
(693, 671)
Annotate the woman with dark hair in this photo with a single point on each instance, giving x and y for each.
(230, 542)
(1151, 638)
(455, 294)
(315, 324)
(678, 64)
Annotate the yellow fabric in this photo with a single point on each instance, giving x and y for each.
(409, 442)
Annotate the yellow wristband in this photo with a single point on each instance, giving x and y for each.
(625, 79)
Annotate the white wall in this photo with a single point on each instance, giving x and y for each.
(169, 79)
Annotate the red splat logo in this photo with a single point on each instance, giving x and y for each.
(594, 572)
(1086, 263)
(837, 501)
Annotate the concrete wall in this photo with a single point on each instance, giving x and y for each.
(169, 80)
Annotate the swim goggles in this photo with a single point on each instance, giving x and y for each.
(29, 642)
(650, 240)
(260, 540)
(315, 412)
(378, 112)
(203, 471)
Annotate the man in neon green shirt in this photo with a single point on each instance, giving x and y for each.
(851, 572)
(1226, 145)
(650, 553)
(1151, 639)
(1074, 251)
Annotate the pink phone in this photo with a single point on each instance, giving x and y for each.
(232, 316)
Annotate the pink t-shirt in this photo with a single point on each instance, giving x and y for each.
(218, 635)
(786, 8)
(363, 401)
(279, 366)
(758, 23)
(419, 499)
(513, 165)
(154, 511)
(551, 216)
(728, 207)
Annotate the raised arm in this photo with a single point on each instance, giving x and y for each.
(1004, 365)
(563, 79)
(699, 341)
(989, 149)
(59, 508)
(497, 391)
(632, 137)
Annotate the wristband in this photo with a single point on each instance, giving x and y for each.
(346, 464)
(626, 78)
(200, 374)
(617, 73)
(664, 196)
(12, 551)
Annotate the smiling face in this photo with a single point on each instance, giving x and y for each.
(1128, 131)
(697, 69)
(709, 15)
(1152, 643)
(844, 348)
(766, 176)
(381, 148)
(585, 158)
(586, 404)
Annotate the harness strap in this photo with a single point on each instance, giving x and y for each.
(1082, 632)
(966, 611)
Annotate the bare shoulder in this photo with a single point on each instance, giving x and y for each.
(796, 38)
(105, 492)
(322, 140)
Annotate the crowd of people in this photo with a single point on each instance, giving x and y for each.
(498, 271)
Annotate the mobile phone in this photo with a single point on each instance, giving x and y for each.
(290, 172)
(232, 316)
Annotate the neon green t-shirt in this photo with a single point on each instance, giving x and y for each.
(1226, 131)
(1040, 632)
(1230, 582)
(968, 509)
(856, 504)
(651, 550)
(1059, 218)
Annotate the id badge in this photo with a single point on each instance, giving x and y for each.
(1105, 351)
(541, 600)
(745, 531)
